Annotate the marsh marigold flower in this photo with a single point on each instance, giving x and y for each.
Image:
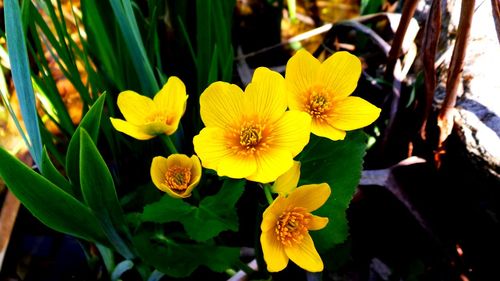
(176, 175)
(322, 90)
(285, 228)
(250, 135)
(146, 118)
(287, 182)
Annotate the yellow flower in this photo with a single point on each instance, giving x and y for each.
(250, 135)
(287, 182)
(147, 118)
(323, 89)
(285, 228)
(176, 175)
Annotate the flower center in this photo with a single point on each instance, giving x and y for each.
(250, 136)
(155, 117)
(318, 104)
(177, 178)
(292, 225)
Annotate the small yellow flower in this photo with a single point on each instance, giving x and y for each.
(250, 135)
(176, 175)
(285, 228)
(323, 89)
(146, 118)
(287, 182)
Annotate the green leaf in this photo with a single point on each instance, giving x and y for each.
(121, 268)
(18, 54)
(215, 213)
(50, 172)
(91, 123)
(168, 209)
(99, 39)
(52, 206)
(338, 163)
(130, 32)
(180, 260)
(370, 6)
(99, 193)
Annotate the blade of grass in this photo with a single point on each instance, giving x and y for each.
(102, 46)
(47, 83)
(128, 27)
(16, 46)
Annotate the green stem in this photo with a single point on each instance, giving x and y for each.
(267, 192)
(244, 267)
(292, 10)
(168, 142)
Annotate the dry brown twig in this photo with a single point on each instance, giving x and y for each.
(429, 46)
(446, 114)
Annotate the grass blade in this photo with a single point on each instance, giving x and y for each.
(16, 46)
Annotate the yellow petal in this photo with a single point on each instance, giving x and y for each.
(134, 107)
(317, 223)
(271, 164)
(272, 213)
(159, 167)
(300, 75)
(237, 166)
(310, 197)
(130, 129)
(195, 174)
(353, 113)
(304, 254)
(179, 160)
(287, 182)
(196, 169)
(265, 95)
(171, 101)
(292, 132)
(221, 105)
(172, 97)
(323, 129)
(274, 253)
(211, 146)
(339, 74)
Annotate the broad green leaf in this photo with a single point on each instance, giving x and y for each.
(99, 193)
(50, 172)
(180, 260)
(16, 45)
(91, 123)
(168, 209)
(338, 163)
(215, 213)
(52, 206)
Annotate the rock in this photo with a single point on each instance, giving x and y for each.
(477, 120)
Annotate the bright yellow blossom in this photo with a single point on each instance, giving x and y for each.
(176, 175)
(146, 118)
(323, 89)
(287, 182)
(250, 135)
(285, 228)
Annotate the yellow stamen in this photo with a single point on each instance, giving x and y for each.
(292, 225)
(318, 104)
(177, 178)
(155, 117)
(251, 137)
